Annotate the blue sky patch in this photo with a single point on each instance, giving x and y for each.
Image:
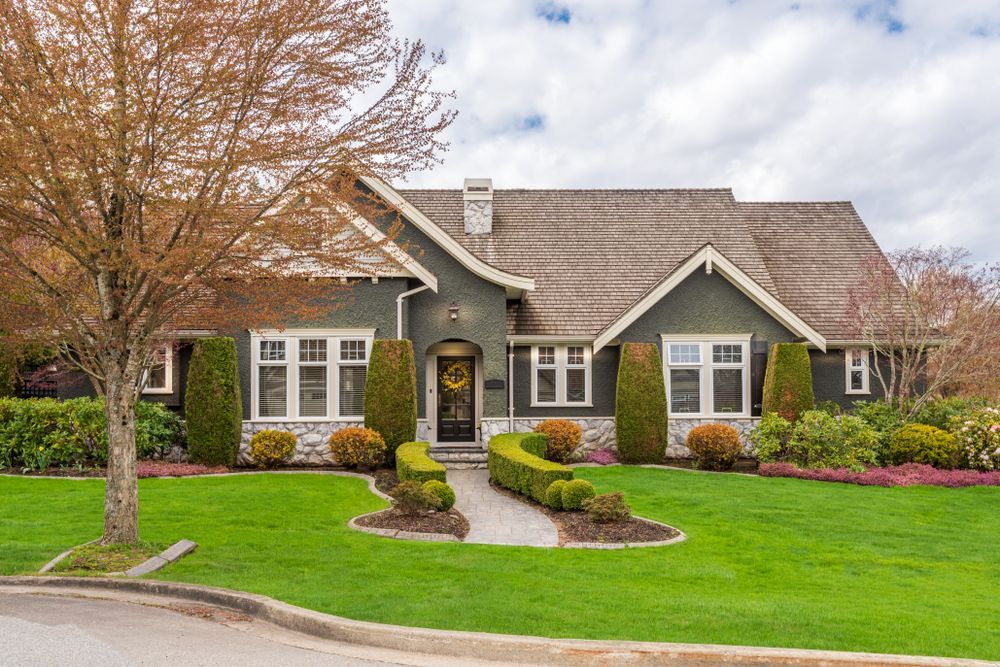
(531, 122)
(881, 11)
(554, 13)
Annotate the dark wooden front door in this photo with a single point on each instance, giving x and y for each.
(456, 416)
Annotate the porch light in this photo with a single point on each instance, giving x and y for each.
(453, 311)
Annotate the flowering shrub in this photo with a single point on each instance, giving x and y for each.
(270, 448)
(714, 446)
(564, 438)
(355, 447)
(817, 440)
(940, 412)
(604, 457)
(166, 469)
(979, 437)
(907, 474)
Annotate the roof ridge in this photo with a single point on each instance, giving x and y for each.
(714, 189)
(848, 202)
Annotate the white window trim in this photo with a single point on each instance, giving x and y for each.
(706, 396)
(333, 363)
(560, 366)
(168, 368)
(865, 376)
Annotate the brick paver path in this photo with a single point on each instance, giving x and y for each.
(497, 519)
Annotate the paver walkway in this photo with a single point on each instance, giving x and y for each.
(497, 519)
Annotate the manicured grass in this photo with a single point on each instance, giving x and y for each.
(768, 562)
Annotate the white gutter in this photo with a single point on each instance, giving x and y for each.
(510, 387)
(399, 308)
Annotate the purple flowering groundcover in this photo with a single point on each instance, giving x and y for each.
(907, 474)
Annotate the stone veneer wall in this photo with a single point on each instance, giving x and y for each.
(599, 433)
(311, 449)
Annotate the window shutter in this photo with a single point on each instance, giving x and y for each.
(758, 365)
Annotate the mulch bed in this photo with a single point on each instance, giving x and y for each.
(385, 479)
(578, 527)
(54, 472)
(451, 522)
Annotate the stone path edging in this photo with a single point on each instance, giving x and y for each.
(400, 534)
(509, 648)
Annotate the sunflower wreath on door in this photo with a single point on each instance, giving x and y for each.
(456, 376)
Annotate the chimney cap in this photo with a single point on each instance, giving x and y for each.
(478, 189)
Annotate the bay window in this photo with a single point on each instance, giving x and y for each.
(707, 376)
(560, 375)
(310, 374)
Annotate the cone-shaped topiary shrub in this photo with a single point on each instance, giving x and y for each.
(212, 403)
(788, 388)
(641, 405)
(391, 393)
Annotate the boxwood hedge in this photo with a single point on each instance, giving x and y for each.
(515, 462)
(413, 462)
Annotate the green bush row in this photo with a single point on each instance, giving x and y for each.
(41, 432)
(515, 462)
(413, 462)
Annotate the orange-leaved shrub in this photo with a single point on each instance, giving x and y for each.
(714, 446)
(564, 438)
(271, 448)
(355, 447)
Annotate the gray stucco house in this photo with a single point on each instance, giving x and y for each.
(532, 292)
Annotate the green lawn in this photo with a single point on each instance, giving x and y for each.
(768, 562)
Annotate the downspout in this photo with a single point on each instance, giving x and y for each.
(510, 387)
(399, 308)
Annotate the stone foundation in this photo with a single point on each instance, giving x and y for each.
(599, 432)
(312, 448)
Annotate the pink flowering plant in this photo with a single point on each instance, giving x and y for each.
(979, 435)
(908, 474)
(603, 457)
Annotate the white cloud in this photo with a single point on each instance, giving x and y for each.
(893, 105)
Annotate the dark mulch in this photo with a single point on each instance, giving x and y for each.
(451, 522)
(748, 466)
(55, 472)
(385, 479)
(578, 526)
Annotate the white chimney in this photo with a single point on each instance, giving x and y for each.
(478, 205)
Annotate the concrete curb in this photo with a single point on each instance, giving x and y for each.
(680, 537)
(468, 645)
(400, 534)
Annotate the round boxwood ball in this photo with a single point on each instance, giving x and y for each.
(553, 494)
(575, 492)
(445, 494)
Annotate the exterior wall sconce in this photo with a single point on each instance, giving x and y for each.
(453, 311)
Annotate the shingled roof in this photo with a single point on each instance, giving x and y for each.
(593, 253)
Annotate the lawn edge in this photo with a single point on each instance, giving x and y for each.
(460, 644)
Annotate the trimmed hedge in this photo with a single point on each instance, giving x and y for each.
(391, 393)
(788, 388)
(515, 462)
(920, 443)
(212, 405)
(641, 405)
(413, 461)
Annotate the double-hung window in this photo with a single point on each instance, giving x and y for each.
(560, 375)
(309, 374)
(160, 376)
(707, 376)
(856, 360)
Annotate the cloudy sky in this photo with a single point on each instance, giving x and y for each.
(894, 105)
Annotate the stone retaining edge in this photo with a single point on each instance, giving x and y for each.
(397, 534)
(680, 537)
(472, 645)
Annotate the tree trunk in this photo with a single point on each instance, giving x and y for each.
(121, 495)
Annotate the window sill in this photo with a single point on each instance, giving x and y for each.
(857, 392)
(561, 405)
(157, 392)
(721, 415)
(313, 420)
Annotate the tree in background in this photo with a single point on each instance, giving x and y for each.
(391, 393)
(641, 405)
(788, 387)
(181, 163)
(932, 318)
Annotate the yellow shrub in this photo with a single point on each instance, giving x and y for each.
(270, 449)
(355, 447)
(714, 446)
(564, 438)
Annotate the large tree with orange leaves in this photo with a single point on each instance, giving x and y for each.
(183, 161)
